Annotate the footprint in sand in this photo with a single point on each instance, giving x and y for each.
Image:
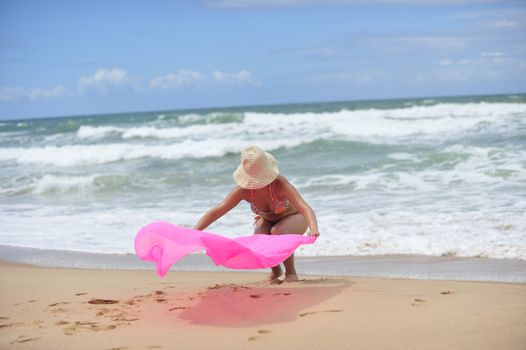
(256, 296)
(59, 303)
(285, 294)
(123, 317)
(317, 312)
(158, 295)
(236, 288)
(116, 315)
(23, 339)
(179, 308)
(261, 331)
(418, 302)
(104, 311)
(79, 294)
(219, 286)
(79, 326)
(59, 310)
(102, 301)
(446, 292)
(9, 325)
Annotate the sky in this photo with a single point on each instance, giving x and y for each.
(65, 58)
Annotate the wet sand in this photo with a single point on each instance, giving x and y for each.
(391, 266)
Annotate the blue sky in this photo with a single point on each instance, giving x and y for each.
(60, 58)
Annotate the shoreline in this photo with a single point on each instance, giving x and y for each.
(51, 308)
(384, 266)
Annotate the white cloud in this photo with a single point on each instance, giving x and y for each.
(440, 42)
(186, 77)
(182, 78)
(504, 23)
(239, 78)
(8, 93)
(495, 57)
(102, 79)
(11, 93)
(487, 60)
(46, 93)
(449, 62)
(492, 54)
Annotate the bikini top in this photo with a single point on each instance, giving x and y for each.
(279, 208)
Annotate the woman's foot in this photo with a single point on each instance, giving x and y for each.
(274, 275)
(291, 277)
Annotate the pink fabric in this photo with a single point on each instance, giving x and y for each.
(165, 244)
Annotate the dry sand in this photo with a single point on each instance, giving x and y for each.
(53, 308)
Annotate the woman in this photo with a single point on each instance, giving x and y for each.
(278, 206)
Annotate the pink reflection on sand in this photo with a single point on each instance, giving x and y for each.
(243, 306)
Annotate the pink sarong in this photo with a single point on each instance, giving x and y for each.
(165, 244)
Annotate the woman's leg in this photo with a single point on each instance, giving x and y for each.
(297, 224)
(264, 227)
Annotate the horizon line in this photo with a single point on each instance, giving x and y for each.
(257, 106)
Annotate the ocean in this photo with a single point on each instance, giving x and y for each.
(427, 177)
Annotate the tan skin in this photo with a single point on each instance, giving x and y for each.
(295, 219)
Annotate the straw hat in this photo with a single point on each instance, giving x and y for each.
(257, 169)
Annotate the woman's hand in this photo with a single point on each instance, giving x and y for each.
(313, 233)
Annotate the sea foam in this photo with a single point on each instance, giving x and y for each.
(366, 124)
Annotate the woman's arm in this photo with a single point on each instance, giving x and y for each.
(230, 201)
(292, 194)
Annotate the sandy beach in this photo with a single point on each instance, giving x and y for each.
(57, 308)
